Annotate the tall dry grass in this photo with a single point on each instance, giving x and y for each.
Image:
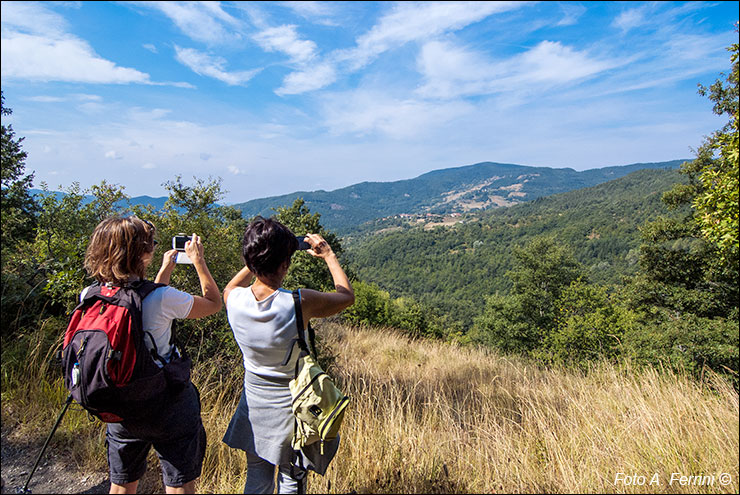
(430, 417)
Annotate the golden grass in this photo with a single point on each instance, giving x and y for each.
(429, 417)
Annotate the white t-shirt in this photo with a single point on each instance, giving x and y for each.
(159, 308)
(264, 330)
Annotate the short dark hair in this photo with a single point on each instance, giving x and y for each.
(266, 245)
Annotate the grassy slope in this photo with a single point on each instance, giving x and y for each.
(430, 417)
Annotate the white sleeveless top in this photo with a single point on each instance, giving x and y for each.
(264, 331)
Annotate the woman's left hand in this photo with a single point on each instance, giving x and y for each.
(168, 265)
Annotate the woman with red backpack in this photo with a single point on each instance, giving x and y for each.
(120, 250)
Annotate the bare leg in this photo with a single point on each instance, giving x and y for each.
(127, 488)
(188, 487)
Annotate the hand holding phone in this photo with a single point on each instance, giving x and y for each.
(178, 243)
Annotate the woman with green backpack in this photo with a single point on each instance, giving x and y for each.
(265, 325)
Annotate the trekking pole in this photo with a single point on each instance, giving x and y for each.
(46, 444)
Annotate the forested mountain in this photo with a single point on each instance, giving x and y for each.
(454, 268)
(460, 189)
(157, 203)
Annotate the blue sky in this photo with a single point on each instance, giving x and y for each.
(276, 97)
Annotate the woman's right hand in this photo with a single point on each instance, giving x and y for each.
(319, 247)
(194, 249)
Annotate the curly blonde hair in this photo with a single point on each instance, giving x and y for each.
(117, 249)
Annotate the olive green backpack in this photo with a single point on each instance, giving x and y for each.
(318, 405)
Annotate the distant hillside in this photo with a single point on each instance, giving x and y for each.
(157, 203)
(460, 189)
(454, 268)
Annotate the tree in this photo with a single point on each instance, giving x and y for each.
(18, 207)
(686, 293)
(717, 164)
(522, 321)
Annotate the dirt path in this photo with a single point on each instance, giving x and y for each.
(54, 475)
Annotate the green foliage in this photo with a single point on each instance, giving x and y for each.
(47, 272)
(454, 269)
(523, 321)
(193, 209)
(371, 307)
(306, 270)
(18, 207)
(374, 307)
(717, 166)
(686, 294)
(590, 326)
(688, 342)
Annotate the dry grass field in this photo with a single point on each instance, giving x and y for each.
(429, 417)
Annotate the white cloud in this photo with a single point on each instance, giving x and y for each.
(235, 170)
(630, 18)
(201, 21)
(150, 47)
(571, 14)
(148, 166)
(309, 79)
(364, 112)
(44, 59)
(32, 18)
(320, 12)
(35, 46)
(452, 71)
(113, 155)
(46, 99)
(285, 39)
(212, 66)
(412, 21)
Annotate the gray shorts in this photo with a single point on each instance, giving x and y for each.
(175, 431)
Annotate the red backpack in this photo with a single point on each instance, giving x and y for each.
(107, 368)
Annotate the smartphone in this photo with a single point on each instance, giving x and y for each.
(302, 244)
(178, 242)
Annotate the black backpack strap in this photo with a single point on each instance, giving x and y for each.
(301, 340)
(145, 287)
(311, 342)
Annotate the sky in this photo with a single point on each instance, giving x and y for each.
(278, 97)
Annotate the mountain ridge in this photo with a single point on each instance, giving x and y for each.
(478, 186)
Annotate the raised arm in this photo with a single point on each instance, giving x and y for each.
(210, 302)
(322, 304)
(241, 279)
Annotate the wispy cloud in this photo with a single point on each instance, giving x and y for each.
(212, 66)
(285, 39)
(201, 21)
(318, 12)
(451, 71)
(416, 21)
(315, 77)
(631, 18)
(404, 23)
(571, 14)
(365, 112)
(113, 155)
(36, 47)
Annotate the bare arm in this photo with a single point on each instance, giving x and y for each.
(322, 304)
(168, 265)
(210, 302)
(241, 279)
